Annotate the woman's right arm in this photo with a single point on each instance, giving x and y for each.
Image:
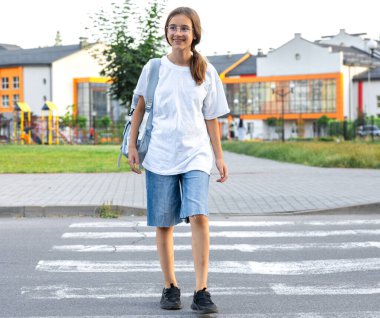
(138, 115)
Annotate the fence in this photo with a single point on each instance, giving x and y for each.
(351, 130)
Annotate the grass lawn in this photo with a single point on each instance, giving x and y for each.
(60, 158)
(320, 154)
(89, 158)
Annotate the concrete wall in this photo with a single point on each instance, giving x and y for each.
(298, 57)
(343, 38)
(350, 101)
(80, 64)
(370, 93)
(37, 87)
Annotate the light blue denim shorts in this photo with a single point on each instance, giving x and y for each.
(172, 199)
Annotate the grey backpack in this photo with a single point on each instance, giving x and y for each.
(145, 128)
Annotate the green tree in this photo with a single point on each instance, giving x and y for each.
(152, 44)
(67, 119)
(271, 121)
(104, 122)
(322, 123)
(80, 121)
(128, 50)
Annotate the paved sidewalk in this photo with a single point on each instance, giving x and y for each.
(255, 186)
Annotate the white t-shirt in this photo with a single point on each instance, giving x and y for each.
(179, 142)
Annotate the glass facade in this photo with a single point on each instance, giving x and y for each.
(93, 97)
(309, 96)
(94, 100)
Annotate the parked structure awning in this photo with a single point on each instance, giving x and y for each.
(23, 107)
(50, 106)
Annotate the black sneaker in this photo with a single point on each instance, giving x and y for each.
(171, 298)
(202, 302)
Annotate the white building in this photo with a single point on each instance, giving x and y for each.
(65, 75)
(298, 83)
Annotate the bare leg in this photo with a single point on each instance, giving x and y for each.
(201, 248)
(165, 249)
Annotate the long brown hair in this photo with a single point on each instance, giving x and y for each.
(198, 64)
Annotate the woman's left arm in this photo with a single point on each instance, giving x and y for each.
(213, 131)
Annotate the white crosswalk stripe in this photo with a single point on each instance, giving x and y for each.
(247, 248)
(347, 236)
(228, 267)
(229, 234)
(150, 290)
(346, 314)
(118, 224)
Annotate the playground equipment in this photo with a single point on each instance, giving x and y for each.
(50, 124)
(24, 118)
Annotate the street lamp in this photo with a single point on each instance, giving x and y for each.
(372, 45)
(282, 93)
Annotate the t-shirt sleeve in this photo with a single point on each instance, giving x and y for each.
(142, 84)
(215, 103)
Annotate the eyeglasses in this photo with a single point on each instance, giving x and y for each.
(184, 29)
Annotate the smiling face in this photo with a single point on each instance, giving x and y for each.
(183, 36)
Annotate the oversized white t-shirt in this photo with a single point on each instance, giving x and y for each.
(179, 142)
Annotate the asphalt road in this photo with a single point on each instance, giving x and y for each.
(268, 266)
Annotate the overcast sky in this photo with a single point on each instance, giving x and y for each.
(235, 26)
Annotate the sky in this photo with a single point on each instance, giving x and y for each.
(234, 26)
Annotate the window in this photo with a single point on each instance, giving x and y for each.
(378, 101)
(16, 82)
(309, 96)
(16, 99)
(44, 81)
(4, 83)
(5, 101)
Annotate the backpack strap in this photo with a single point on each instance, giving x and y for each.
(153, 76)
(152, 82)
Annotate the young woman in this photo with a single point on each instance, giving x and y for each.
(188, 100)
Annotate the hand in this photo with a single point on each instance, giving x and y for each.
(133, 160)
(223, 170)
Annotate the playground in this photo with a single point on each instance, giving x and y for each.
(23, 127)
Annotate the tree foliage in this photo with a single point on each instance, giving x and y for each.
(131, 40)
(323, 121)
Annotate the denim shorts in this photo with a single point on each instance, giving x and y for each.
(172, 199)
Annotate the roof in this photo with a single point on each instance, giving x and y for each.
(353, 55)
(4, 46)
(23, 107)
(49, 106)
(222, 62)
(375, 75)
(39, 56)
(247, 67)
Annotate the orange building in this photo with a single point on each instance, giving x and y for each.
(293, 85)
(11, 88)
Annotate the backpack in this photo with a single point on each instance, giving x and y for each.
(145, 128)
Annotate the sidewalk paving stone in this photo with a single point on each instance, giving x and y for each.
(255, 186)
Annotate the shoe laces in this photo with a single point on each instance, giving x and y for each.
(172, 293)
(203, 296)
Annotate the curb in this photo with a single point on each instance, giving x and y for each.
(95, 210)
(68, 211)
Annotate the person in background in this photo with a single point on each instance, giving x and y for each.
(241, 130)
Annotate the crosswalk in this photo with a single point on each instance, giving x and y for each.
(300, 258)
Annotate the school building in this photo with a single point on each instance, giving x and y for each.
(296, 83)
(59, 78)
